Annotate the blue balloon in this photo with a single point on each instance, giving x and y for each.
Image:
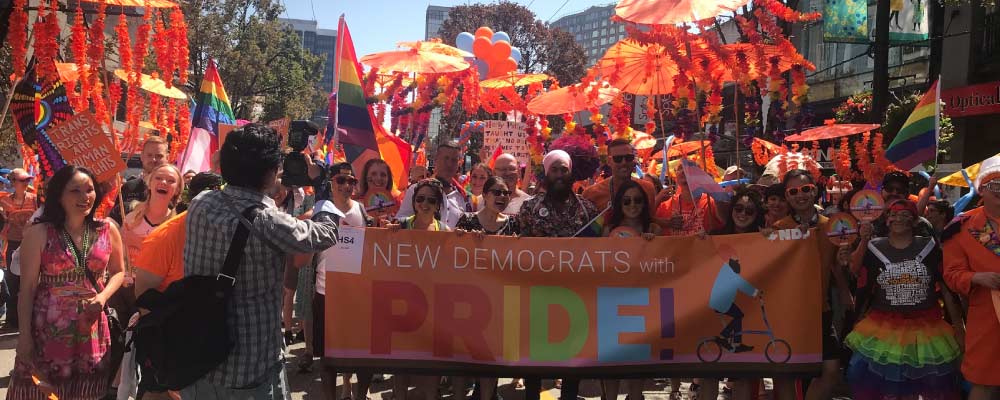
(501, 36)
(484, 69)
(464, 41)
(515, 53)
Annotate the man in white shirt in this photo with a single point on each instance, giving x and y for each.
(506, 168)
(446, 161)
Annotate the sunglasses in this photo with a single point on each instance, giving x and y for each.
(992, 187)
(627, 201)
(425, 199)
(810, 188)
(624, 157)
(500, 192)
(340, 180)
(748, 211)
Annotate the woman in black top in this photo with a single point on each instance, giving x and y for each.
(490, 219)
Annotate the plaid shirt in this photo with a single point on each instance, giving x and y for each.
(254, 313)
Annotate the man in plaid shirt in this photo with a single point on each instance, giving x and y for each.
(250, 161)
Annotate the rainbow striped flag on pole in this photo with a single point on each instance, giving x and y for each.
(212, 109)
(917, 140)
(355, 127)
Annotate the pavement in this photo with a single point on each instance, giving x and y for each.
(307, 386)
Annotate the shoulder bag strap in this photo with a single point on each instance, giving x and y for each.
(234, 256)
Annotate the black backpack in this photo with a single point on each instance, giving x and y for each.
(185, 335)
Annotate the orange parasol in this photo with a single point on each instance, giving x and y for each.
(682, 149)
(435, 46)
(416, 59)
(571, 99)
(136, 3)
(154, 85)
(68, 72)
(831, 131)
(638, 68)
(513, 79)
(669, 12)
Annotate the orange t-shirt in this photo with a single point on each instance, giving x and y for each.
(162, 252)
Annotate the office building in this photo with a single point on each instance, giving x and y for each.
(434, 18)
(318, 41)
(593, 30)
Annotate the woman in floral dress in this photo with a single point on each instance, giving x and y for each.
(62, 351)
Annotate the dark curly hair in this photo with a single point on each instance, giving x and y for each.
(54, 213)
(618, 215)
(438, 189)
(249, 154)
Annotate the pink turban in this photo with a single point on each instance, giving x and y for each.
(556, 155)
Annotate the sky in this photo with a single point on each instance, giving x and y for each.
(377, 25)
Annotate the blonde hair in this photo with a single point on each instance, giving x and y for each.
(138, 213)
(153, 139)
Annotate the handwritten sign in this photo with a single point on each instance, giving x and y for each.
(511, 135)
(82, 142)
(281, 126)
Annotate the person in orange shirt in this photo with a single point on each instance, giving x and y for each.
(160, 261)
(681, 215)
(801, 193)
(621, 159)
(972, 268)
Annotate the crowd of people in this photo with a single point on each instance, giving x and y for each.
(909, 307)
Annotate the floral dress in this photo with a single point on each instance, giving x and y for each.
(70, 343)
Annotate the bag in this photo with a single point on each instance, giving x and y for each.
(185, 335)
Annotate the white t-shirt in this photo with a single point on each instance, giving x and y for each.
(353, 217)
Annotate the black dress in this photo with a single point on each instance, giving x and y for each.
(470, 222)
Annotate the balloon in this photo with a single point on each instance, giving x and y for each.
(486, 32)
(482, 67)
(501, 36)
(481, 47)
(502, 67)
(501, 51)
(464, 41)
(515, 53)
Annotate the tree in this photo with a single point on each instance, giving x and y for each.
(8, 139)
(261, 61)
(543, 49)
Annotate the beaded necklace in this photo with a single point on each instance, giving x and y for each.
(79, 255)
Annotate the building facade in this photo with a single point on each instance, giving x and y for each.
(593, 30)
(320, 42)
(434, 17)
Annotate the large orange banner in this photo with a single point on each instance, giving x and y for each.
(416, 301)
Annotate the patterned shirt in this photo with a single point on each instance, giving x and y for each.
(254, 313)
(539, 219)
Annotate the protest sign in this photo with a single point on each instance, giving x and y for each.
(439, 303)
(281, 126)
(82, 142)
(511, 135)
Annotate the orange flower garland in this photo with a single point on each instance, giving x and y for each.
(46, 33)
(78, 43)
(164, 52)
(842, 166)
(124, 45)
(179, 40)
(18, 37)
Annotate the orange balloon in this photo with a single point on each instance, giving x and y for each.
(501, 50)
(482, 48)
(503, 67)
(485, 31)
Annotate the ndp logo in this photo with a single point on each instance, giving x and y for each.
(789, 234)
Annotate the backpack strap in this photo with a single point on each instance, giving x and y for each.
(928, 248)
(878, 253)
(234, 256)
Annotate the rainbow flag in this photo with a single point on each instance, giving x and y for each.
(917, 140)
(213, 108)
(363, 138)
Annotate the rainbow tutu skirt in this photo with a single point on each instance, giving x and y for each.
(903, 355)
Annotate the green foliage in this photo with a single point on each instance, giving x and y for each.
(261, 61)
(8, 139)
(898, 111)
